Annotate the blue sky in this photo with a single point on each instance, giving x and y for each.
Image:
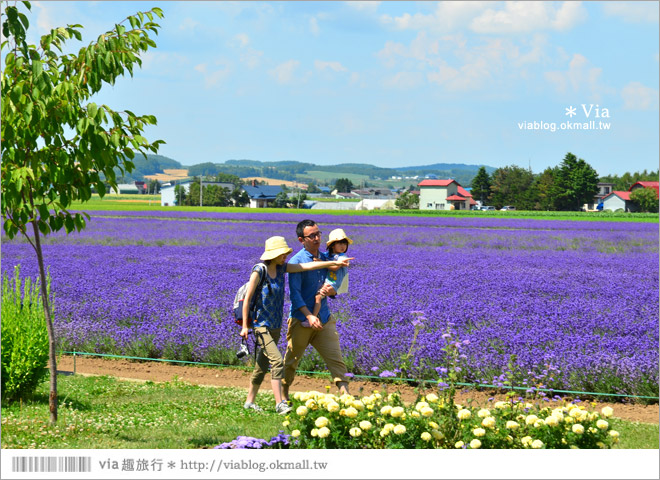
(392, 83)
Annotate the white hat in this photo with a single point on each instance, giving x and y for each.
(336, 235)
(275, 246)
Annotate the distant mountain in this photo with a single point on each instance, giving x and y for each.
(446, 167)
(151, 165)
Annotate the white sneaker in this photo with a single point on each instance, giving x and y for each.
(282, 408)
(252, 406)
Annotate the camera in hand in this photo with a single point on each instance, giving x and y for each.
(242, 351)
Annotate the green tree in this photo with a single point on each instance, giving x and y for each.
(481, 184)
(645, 199)
(343, 185)
(281, 200)
(56, 145)
(407, 201)
(512, 185)
(240, 197)
(575, 184)
(542, 190)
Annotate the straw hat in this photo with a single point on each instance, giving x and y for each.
(336, 235)
(275, 246)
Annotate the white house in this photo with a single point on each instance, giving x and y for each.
(375, 204)
(618, 200)
(168, 199)
(443, 195)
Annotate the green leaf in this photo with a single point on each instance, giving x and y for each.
(37, 68)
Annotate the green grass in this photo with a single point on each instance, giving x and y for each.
(103, 412)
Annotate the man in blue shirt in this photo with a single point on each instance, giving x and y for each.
(323, 332)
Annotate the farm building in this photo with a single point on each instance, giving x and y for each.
(618, 200)
(443, 195)
(261, 195)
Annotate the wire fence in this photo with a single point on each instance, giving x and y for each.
(365, 377)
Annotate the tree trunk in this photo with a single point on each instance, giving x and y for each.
(52, 402)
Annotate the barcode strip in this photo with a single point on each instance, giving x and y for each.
(51, 464)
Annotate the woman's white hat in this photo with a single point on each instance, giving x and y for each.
(275, 246)
(336, 235)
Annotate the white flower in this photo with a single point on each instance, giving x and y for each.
(614, 434)
(433, 425)
(386, 410)
(315, 432)
(459, 444)
(479, 432)
(397, 412)
(332, 407)
(321, 422)
(488, 422)
(295, 433)
(577, 428)
(351, 412)
(358, 405)
(365, 425)
(464, 414)
(511, 425)
(432, 397)
(427, 411)
(426, 436)
(301, 411)
(475, 444)
(607, 412)
(324, 432)
(526, 440)
(421, 405)
(285, 423)
(483, 413)
(537, 444)
(399, 429)
(355, 432)
(531, 419)
(602, 424)
(551, 421)
(311, 404)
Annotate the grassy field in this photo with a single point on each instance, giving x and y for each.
(103, 412)
(151, 203)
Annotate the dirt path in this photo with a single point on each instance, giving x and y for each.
(229, 377)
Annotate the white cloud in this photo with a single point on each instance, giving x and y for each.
(284, 72)
(212, 77)
(314, 26)
(633, 12)
(247, 55)
(404, 80)
(580, 76)
(364, 6)
(493, 17)
(639, 97)
(525, 17)
(334, 66)
(189, 24)
(241, 40)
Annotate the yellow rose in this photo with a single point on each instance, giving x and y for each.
(384, 432)
(389, 427)
(433, 425)
(358, 405)
(351, 412)
(475, 444)
(399, 429)
(324, 432)
(295, 433)
(488, 422)
(479, 432)
(365, 425)
(432, 398)
(397, 412)
(426, 436)
(386, 410)
(511, 425)
(301, 411)
(355, 432)
(501, 405)
(421, 405)
(531, 419)
(601, 445)
(464, 414)
(607, 411)
(602, 424)
(537, 444)
(427, 412)
(437, 434)
(311, 404)
(315, 432)
(526, 440)
(285, 423)
(551, 421)
(332, 407)
(483, 413)
(298, 395)
(415, 414)
(459, 444)
(321, 422)
(614, 434)
(577, 428)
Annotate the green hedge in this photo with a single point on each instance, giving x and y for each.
(24, 338)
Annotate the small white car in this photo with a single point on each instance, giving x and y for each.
(507, 207)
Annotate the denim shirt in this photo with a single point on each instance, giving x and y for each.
(304, 285)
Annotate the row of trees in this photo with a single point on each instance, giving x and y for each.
(567, 186)
(212, 196)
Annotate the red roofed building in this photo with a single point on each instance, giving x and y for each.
(443, 195)
(618, 200)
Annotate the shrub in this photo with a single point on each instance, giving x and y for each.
(326, 421)
(24, 338)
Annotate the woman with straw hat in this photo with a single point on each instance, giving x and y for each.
(268, 319)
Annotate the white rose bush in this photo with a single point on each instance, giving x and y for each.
(385, 421)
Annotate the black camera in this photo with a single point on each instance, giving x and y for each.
(243, 350)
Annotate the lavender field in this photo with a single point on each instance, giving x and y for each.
(575, 303)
